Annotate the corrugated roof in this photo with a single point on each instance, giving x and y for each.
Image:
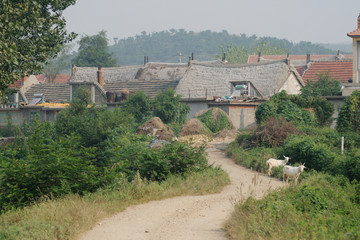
(341, 71)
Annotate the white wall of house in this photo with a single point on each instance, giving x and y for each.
(291, 85)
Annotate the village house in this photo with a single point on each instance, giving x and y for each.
(236, 88)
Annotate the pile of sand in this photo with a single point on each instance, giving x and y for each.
(155, 127)
(193, 127)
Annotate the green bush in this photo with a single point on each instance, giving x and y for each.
(139, 105)
(43, 167)
(349, 115)
(292, 108)
(325, 135)
(168, 107)
(265, 111)
(215, 120)
(322, 207)
(352, 165)
(316, 155)
(254, 158)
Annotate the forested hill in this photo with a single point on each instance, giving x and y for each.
(166, 46)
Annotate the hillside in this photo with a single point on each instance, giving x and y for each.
(166, 46)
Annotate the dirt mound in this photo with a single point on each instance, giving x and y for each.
(198, 140)
(193, 127)
(155, 127)
(215, 119)
(230, 134)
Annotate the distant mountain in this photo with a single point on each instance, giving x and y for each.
(173, 45)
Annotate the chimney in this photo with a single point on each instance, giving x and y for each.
(25, 76)
(192, 56)
(144, 60)
(307, 58)
(73, 69)
(287, 55)
(147, 59)
(100, 75)
(259, 56)
(359, 21)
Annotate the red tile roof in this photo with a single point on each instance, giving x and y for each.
(341, 71)
(300, 70)
(254, 58)
(17, 84)
(355, 33)
(60, 78)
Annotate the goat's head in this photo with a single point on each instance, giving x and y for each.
(286, 159)
(302, 166)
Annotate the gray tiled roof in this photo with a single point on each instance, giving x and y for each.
(54, 92)
(206, 80)
(151, 78)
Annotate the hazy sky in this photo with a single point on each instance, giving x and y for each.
(318, 21)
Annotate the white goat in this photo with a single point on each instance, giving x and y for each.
(271, 163)
(294, 172)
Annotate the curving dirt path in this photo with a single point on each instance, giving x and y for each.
(187, 217)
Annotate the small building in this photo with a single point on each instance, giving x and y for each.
(236, 88)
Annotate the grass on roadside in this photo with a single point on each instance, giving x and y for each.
(322, 207)
(69, 217)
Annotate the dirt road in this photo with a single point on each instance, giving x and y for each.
(187, 217)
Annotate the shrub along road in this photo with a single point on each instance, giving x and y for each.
(187, 217)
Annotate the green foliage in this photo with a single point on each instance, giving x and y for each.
(93, 52)
(168, 107)
(31, 33)
(324, 86)
(42, 166)
(352, 165)
(215, 120)
(92, 124)
(316, 154)
(292, 108)
(322, 207)
(349, 116)
(234, 54)
(265, 111)
(165, 46)
(128, 154)
(139, 105)
(237, 55)
(254, 158)
(293, 113)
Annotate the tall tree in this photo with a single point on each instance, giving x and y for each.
(59, 64)
(241, 54)
(31, 32)
(93, 52)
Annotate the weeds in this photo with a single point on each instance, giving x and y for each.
(67, 218)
